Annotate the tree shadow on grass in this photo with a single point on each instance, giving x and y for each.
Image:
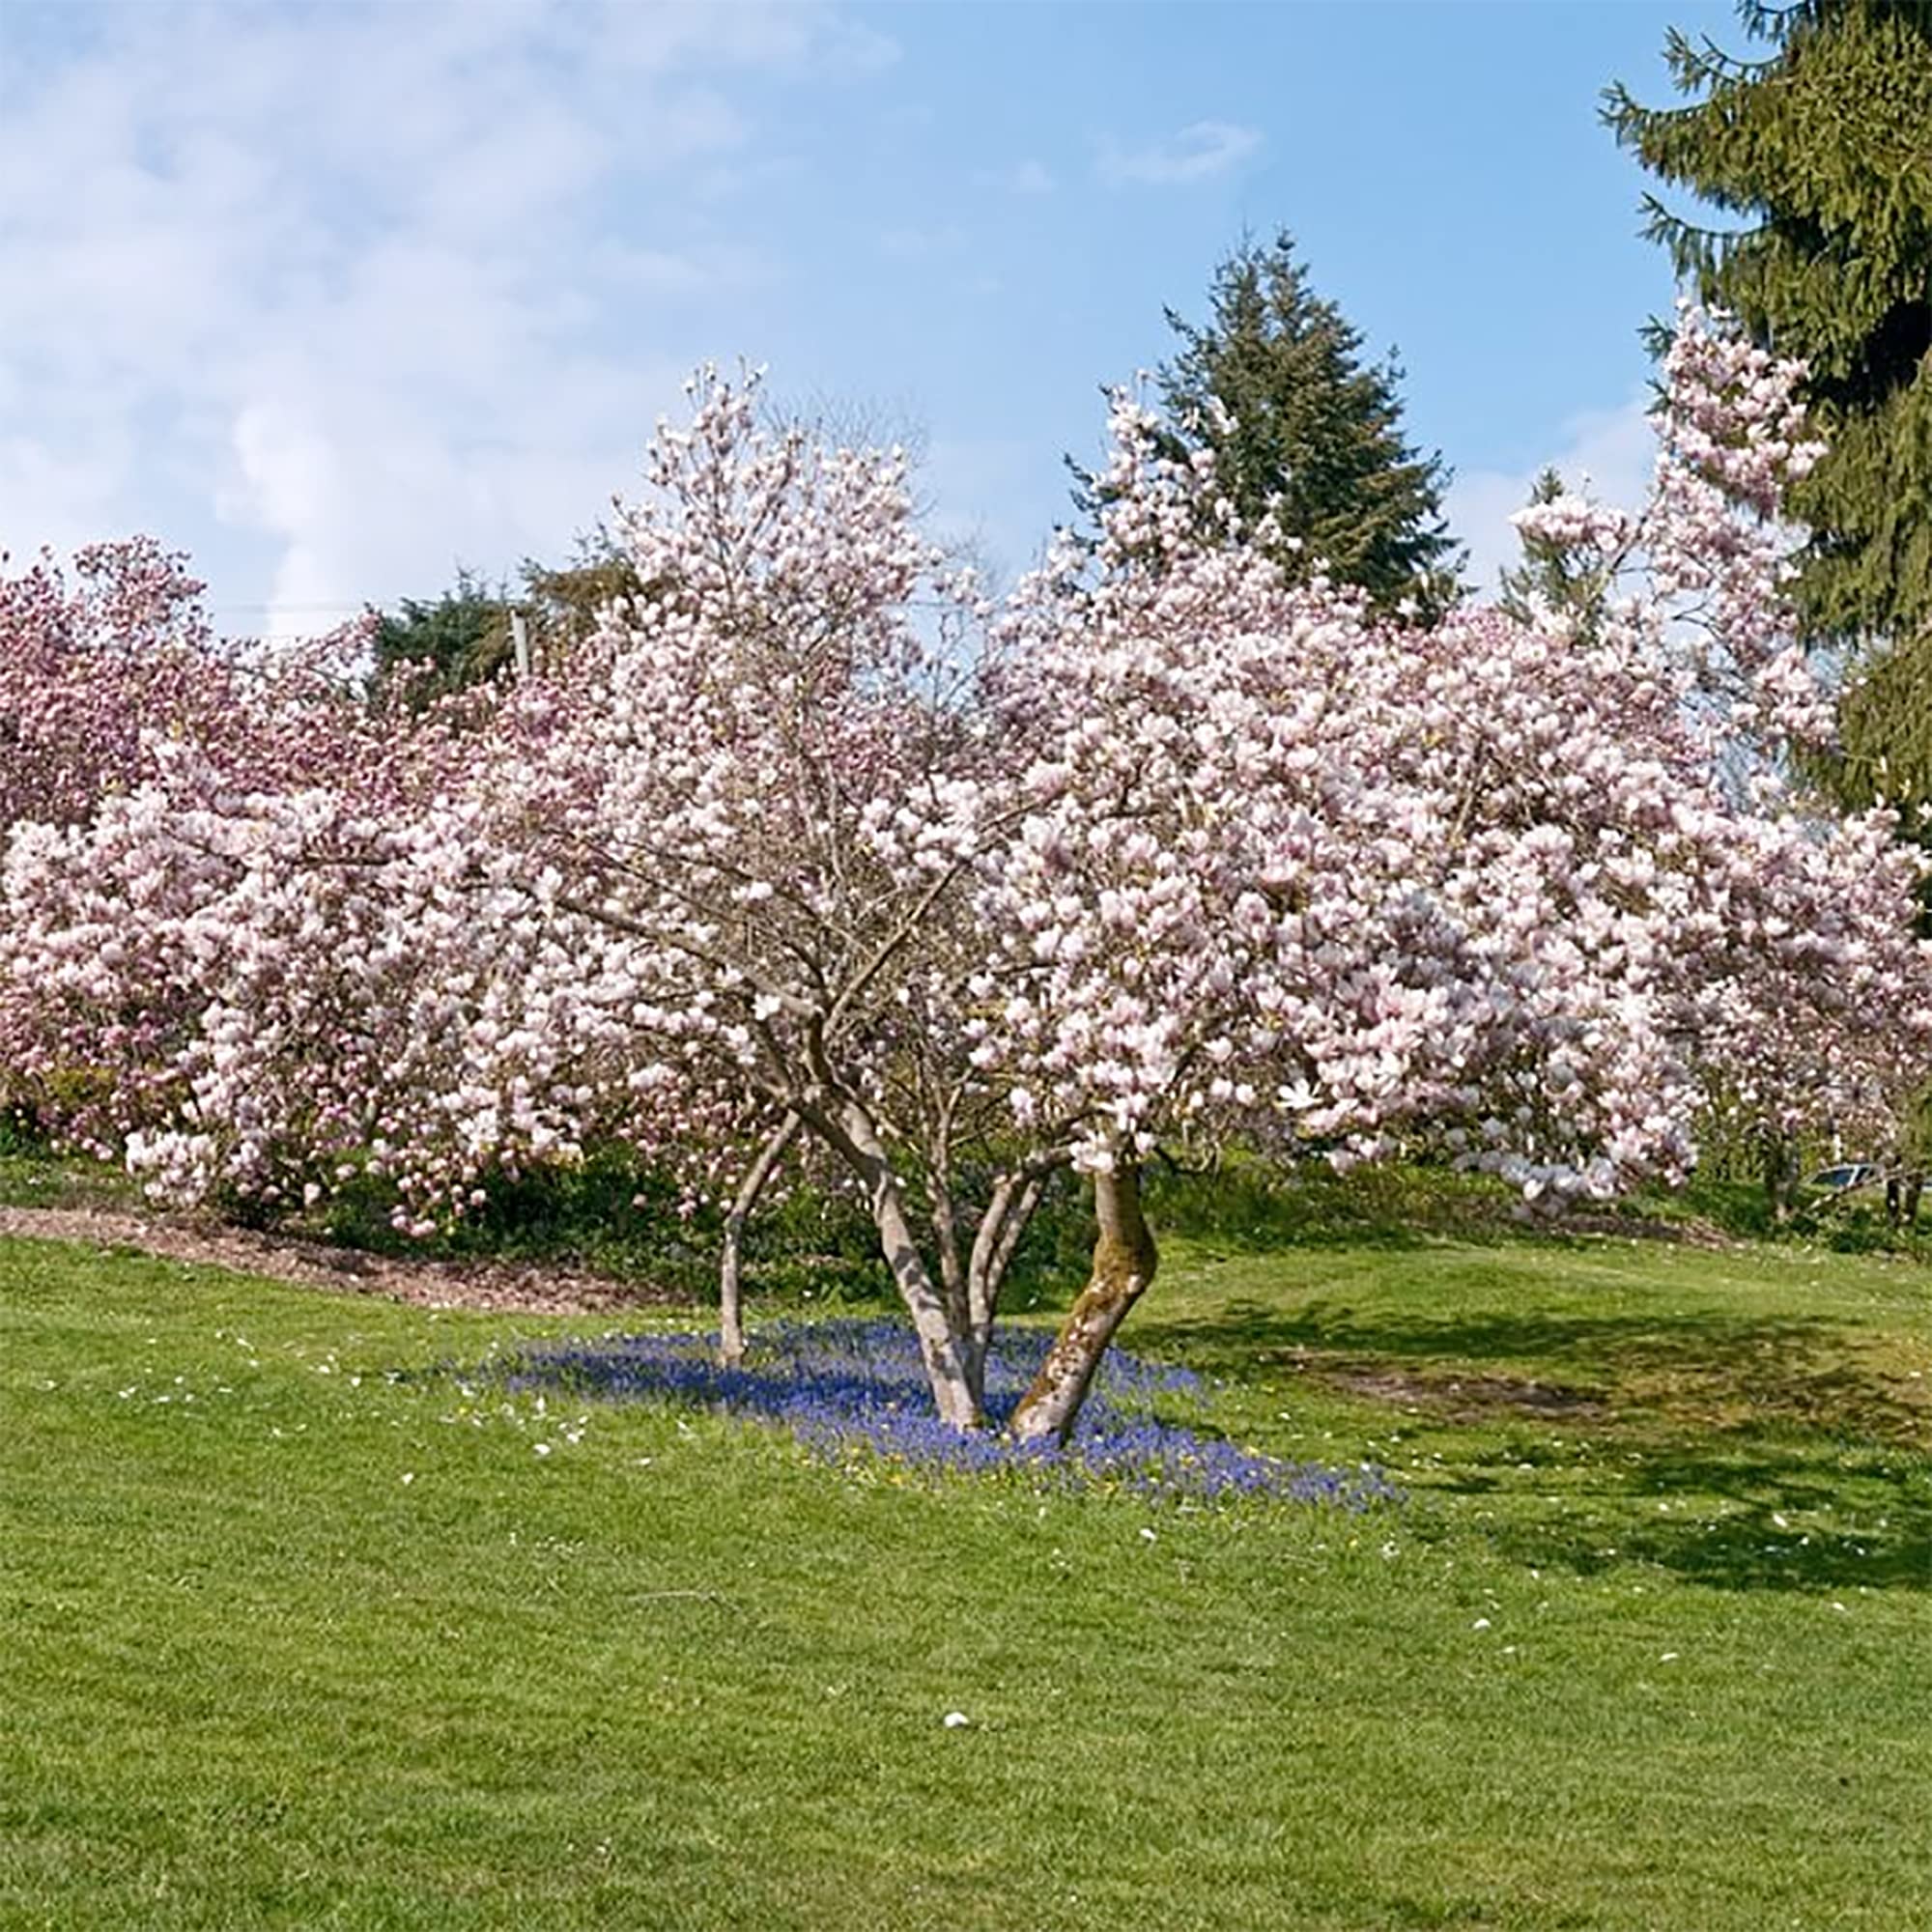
(1705, 1367)
(1758, 1519)
(1738, 1453)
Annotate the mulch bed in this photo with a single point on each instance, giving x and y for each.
(497, 1286)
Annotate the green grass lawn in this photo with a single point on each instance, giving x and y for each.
(294, 1634)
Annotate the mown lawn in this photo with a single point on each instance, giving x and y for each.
(294, 1633)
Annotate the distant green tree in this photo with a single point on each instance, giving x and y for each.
(1550, 578)
(467, 636)
(1274, 386)
(1820, 155)
(433, 648)
(562, 602)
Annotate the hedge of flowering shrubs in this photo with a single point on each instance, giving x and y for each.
(812, 854)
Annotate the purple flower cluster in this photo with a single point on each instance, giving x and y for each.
(856, 1388)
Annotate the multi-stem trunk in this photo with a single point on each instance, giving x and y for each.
(952, 1307)
(1124, 1260)
(731, 1261)
(951, 1367)
(1008, 1213)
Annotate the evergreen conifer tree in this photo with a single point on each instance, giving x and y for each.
(1274, 384)
(460, 640)
(1819, 158)
(1548, 576)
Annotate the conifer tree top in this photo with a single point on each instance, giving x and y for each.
(1816, 160)
(1272, 383)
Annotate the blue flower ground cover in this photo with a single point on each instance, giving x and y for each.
(854, 1386)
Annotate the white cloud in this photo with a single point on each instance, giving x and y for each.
(338, 296)
(59, 497)
(1607, 452)
(668, 273)
(1197, 153)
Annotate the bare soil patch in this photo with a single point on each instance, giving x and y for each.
(495, 1287)
(1465, 1398)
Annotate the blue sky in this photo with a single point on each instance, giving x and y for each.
(336, 296)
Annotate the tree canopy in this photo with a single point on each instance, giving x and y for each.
(1161, 850)
(1818, 156)
(1273, 385)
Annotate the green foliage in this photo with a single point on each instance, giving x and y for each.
(562, 602)
(461, 639)
(465, 636)
(611, 1216)
(21, 1135)
(1550, 578)
(332, 1644)
(1316, 435)
(1818, 155)
(1260, 1207)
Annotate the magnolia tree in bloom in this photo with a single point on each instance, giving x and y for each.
(1808, 1011)
(809, 847)
(218, 902)
(1514, 888)
(99, 667)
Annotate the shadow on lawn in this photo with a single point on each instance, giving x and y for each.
(1691, 1371)
(1738, 1453)
(1759, 1519)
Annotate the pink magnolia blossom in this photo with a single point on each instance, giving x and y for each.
(1159, 851)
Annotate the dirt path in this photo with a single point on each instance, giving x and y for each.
(495, 1286)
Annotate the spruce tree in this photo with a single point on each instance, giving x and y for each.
(1313, 432)
(1818, 160)
(1550, 578)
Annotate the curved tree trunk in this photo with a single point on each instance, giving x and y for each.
(1124, 1260)
(730, 1291)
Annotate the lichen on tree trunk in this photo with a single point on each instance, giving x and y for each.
(1124, 1260)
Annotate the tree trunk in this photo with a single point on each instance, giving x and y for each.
(1781, 1175)
(1901, 1199)
(957, 1390)
(731, 1292)
(1124, 1260)
(1009, 1211)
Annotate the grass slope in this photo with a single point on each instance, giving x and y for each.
(296, 1634)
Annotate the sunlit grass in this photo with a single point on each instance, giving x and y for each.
(298, 1633)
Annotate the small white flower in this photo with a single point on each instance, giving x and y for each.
(955, 1719)
(409, 1476)
(542, 1448)
(1481, 1623)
